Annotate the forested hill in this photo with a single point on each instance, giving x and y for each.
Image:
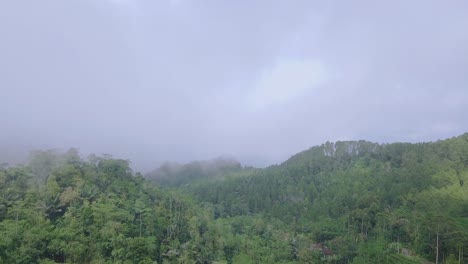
(342, 175)
(343, 202)
(59, 208)
(361, 199)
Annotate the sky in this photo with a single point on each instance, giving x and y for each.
(182, 80)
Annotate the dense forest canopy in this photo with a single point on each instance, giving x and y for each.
(342, 202)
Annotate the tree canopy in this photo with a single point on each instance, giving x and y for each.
(342, 202)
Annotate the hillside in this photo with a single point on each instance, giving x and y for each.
(357, 196)
(343, 202)
(60, 208)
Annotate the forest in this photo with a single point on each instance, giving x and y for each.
(340, 202)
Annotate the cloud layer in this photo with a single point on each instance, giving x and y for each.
(258, 80)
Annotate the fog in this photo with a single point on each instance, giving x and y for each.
(181, 80)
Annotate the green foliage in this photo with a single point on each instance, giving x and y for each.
(61, 209)
(343, 202)
(358, 198)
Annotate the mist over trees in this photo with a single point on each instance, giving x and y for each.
(267, 82)
(341, 202)
(176, 173)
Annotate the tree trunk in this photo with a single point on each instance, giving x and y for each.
(437, 249)
(459, 259)
(140, 224)
(460, 255)
(362, 227)
(398, 244)
(16, 224)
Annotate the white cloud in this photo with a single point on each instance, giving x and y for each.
(132, 7)
(121, 2)
(175, 2)
(286, 81)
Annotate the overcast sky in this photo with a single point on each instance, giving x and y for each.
(181, 80)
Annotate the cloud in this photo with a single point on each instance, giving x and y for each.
(285, 81)
(261, 80)
(118, 2)
(175, 2)
(132, 7)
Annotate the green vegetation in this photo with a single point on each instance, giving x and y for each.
(175, 174)
(343, 202)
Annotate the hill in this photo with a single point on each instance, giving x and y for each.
(342, 202)
(357, 196)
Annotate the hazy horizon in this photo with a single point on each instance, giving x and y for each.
(183, 80)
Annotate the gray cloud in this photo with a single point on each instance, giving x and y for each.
(259, 80)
